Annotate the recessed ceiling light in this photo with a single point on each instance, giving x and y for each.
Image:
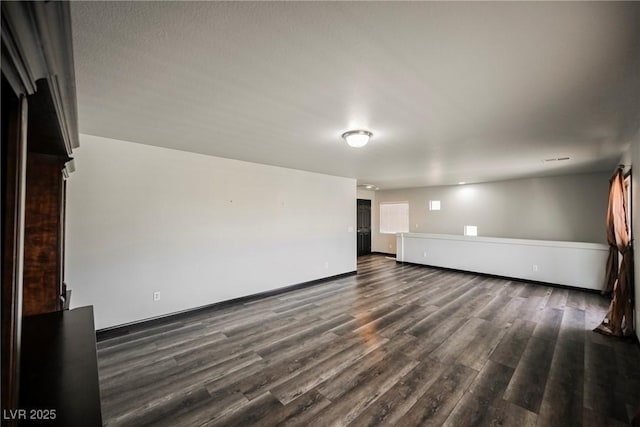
(369, 187)
(357, 138)
(462, 183)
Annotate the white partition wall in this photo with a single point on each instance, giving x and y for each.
(575, 264)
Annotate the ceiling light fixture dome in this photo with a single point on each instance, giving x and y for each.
(357, 138)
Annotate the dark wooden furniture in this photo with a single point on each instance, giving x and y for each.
(59, 379)
(39, 133)
(43, 239)
(13, 182)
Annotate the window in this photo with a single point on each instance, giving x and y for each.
(434, 205)
(394, 217)
(470, 230)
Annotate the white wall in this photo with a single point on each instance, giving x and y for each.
(580, 265)
(565, 208)
(197, 228)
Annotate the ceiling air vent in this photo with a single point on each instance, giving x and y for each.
(556, 159)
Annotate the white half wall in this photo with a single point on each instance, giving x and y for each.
(563, 208)
(576, 264)
(198, 229)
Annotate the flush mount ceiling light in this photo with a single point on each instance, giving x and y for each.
(357, 138)
(369, 187)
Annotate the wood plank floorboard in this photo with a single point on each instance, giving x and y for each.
(395, 344)
(396, 402)
(486, 390)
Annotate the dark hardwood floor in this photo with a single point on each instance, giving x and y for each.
(395, 345)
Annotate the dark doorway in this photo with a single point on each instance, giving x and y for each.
(364, 227)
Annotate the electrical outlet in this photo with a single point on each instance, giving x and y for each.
(424, 254)
(156, 296)
(534, 267)
(390, 246)
(326, 264)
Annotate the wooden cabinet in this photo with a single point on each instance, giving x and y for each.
(39, 133)
(43, 234)
(59, 369)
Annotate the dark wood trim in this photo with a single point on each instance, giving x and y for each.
(65, 294)
(120, 330)
(514, 279)
(13, 219)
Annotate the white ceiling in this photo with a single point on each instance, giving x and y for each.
(452, 91)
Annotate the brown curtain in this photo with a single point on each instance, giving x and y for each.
(619, 318)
